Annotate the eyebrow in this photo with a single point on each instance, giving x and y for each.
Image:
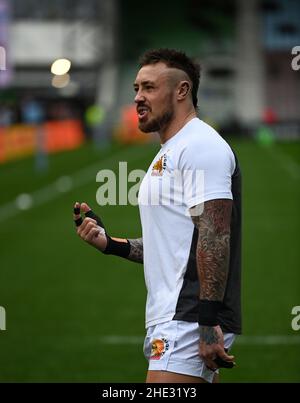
(143, 83)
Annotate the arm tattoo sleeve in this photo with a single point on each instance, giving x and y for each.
(136, 250)
(213, 248)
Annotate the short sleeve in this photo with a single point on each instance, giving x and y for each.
(206, 173)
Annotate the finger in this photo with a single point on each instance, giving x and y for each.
(89, 213)
(85, 207)
(78, 222)
(224, 360)
(82, 230)
(223, 364)
(77, 208)
(87, 225)
(76, 216)
(93, 233)
(222, 354)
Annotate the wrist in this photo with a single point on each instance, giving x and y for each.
(117, 247)
(103, 245)
(208, 313)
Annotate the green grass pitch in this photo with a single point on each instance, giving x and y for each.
(64, 300)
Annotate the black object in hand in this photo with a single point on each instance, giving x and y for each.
(222, 363)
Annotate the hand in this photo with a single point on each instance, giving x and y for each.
(88, 228)
(211, 348)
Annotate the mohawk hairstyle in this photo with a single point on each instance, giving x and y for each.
(178, 60)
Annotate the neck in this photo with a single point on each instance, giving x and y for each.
(176, 125)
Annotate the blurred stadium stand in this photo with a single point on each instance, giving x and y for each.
(34, 34)
(245, 51)
(243, 46)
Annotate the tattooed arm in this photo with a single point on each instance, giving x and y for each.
(91, 229)
(212, 266)
(213, 248)
(136, 250)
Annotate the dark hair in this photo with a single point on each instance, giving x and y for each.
(178, 60)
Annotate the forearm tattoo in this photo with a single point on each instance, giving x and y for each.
(209, 335)
(213, 248)
(136, 250)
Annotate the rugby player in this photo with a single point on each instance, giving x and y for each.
(191, 234)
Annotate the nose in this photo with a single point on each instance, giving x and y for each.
(139, 97)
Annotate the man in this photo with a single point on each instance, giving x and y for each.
(191, 228)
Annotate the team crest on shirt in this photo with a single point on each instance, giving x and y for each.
(159, 348)
(159, 166)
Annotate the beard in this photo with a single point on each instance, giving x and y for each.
(157, 124)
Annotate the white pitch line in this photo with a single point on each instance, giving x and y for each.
(53, 190)
(268, 340)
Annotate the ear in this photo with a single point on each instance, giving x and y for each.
(183, 90)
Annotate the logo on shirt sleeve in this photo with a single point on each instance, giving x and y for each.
(159, 348)
(159, 166)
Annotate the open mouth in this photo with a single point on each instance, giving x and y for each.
(142, 112)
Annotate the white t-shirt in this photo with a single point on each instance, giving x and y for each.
(192, 167)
